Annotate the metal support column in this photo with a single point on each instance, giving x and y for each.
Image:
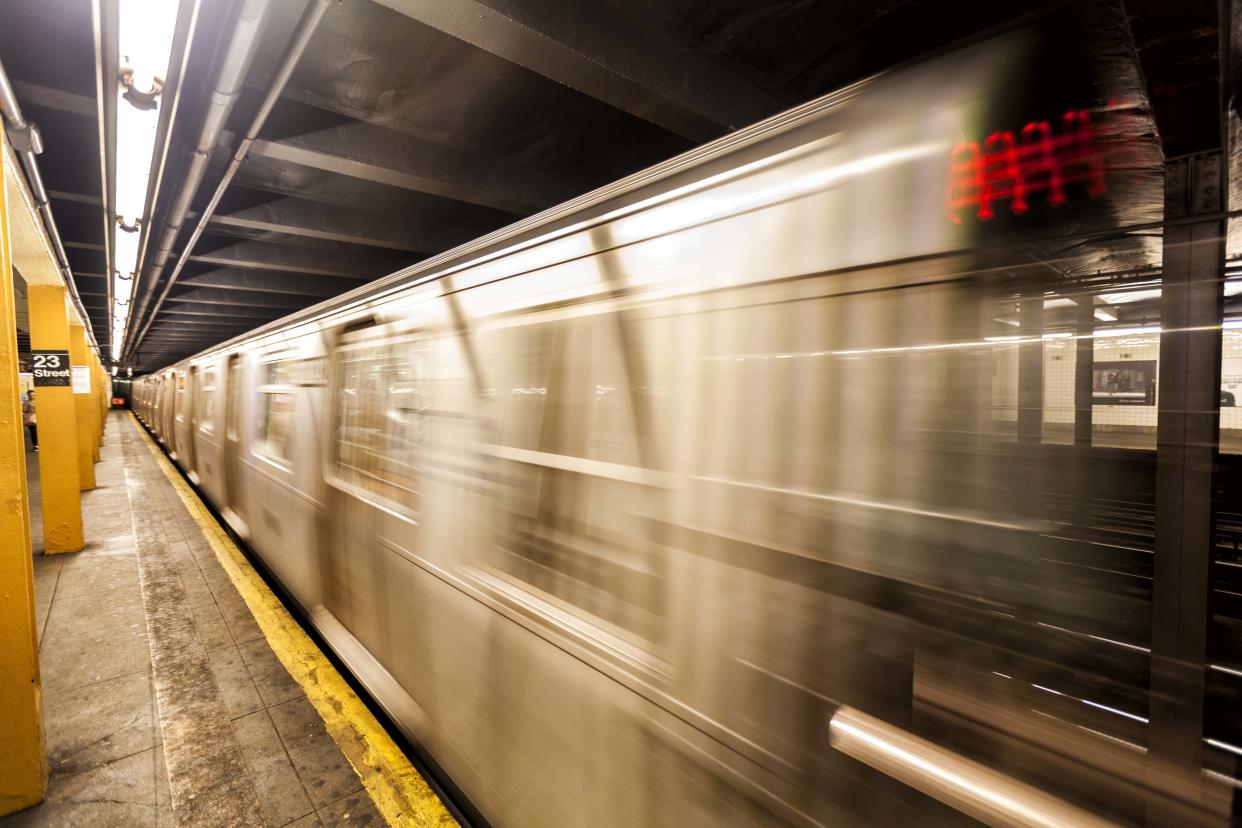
(23, 761)
(1031, 367)
(58, 430)
(83, 405)
(1188, 412)
(1084, 371)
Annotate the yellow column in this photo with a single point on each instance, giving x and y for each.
(23, 762)
(96, 409)
(85, 412)
(58, 429)
(105, 398)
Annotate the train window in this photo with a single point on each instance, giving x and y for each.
(523, 376)
(572, 530)
(276, 400)
(207, 401)
(380, 422)
(178, 413)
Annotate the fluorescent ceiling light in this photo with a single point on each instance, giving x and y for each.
(145, 39)
(123, 291)
(145, 36)
(1105, 315)
(1103, 332)
(1125, 297)
(1233, 287)
(135, 143)
(1060, 302)
(125, 260)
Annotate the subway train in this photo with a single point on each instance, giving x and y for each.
(703, 499)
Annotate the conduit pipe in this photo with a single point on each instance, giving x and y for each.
(28, 146)
(301, 38)
(226, 88)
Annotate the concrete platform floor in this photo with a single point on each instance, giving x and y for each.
(218, 728)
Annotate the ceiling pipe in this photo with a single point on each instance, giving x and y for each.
(301, 38)
(226, 88)
(104, 15)
(29, 143)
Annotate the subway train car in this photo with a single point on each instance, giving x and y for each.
(696, 501)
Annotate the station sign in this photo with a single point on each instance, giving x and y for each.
(1012, 169)
(50, 368)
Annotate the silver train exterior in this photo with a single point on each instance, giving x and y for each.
(613, 510)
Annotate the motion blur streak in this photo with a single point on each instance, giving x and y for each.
(614, 509)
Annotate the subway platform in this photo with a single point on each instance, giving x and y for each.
(176, 688)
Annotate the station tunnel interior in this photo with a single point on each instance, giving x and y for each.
(672, 412)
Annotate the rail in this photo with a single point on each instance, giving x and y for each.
(974, 789)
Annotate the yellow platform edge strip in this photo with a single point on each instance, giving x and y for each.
(399, 792)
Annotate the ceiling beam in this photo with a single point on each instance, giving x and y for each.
(260, 256)
(318, 287)
(610, 56)
(167, 337)
(316, 220)
(78, 198)
(201, 334)
(219, 321)
(45, 96)
(235, 298)
(384, 156)
(237, 312)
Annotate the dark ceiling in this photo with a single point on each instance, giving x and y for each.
(58, 94)
(410, 126)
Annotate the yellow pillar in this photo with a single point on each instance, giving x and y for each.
(105, 398)
(23, 762)
(96, 410)
(83, 405)
(58, 429)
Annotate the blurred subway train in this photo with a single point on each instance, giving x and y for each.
(711, 498)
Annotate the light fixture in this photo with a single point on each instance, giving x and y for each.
(1105, 315)
(145, 36)
(1130, 296)
(1109, 332)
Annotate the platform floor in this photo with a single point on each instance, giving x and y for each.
(163, 702)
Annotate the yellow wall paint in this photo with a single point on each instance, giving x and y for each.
(58, 430)
(23, 761)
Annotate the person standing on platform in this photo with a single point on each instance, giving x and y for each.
(28, 417)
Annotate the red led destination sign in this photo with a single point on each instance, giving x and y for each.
(1012, 169)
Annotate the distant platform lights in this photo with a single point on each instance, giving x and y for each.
(145, 39)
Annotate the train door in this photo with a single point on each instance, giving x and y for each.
(353, 453)
(188, 412)
(166, 408)
(233, 510)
